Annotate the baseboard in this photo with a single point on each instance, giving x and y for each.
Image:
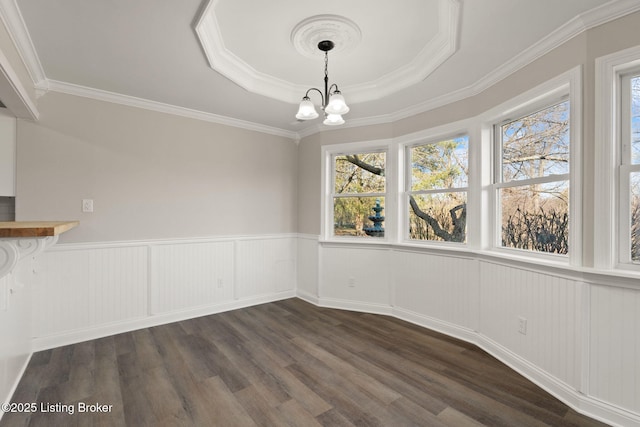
(72, 337)
(581, 403)
(437, 325)
(308, 297)
(355, 306)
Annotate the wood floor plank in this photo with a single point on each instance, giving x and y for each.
(259, 409)
(322, 383)
(107, 390)
(451, 417)
(351, 375)
(187, 387)
(296, 415)
(225, 408)
(288, 385)
(392, 379)
(286, 363)
(334, 418)
(409, 413)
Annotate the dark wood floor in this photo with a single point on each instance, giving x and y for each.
(286, 363)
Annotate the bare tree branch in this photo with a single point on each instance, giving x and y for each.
(536, 157)
(366, 166)
(459, 222)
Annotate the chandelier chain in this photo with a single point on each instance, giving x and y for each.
(326, 64)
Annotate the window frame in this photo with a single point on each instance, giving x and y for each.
(406, 190)
(567, 86)
(612, 251)
(625, 168)
(499, 182)
(329, 154)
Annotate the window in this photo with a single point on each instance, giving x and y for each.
(436, 183)
(630, 168)
(505, 181)
(358, 194)
(532, 180)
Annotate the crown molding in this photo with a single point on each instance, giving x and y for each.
(131, 101)
(235, 69)
(12, 19)
(14, 95)
(607, 12)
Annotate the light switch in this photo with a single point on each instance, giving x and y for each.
(87, 205)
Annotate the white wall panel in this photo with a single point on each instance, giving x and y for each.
(86, 291)
(265, 266)
(615, 346)
(308, 267)
(80, 289)
(439, 287)
(190, 275)
(551, 307)
(357, 275)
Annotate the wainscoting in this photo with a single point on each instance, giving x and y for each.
(581, 340)
(85, 291)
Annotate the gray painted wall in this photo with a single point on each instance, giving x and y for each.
(151, 175)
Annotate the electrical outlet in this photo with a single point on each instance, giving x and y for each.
(522, 325)
(351, 282)
(220, 283)
(87, 205)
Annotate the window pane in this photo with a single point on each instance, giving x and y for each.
(635, 216)
(536, 145)
(360, 173)
(439, 216)
(635, 120)
(440, 165)
(536, 217)
(355, 216)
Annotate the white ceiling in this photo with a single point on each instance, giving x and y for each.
(147, 52)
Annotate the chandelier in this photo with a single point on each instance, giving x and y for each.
(333, 103)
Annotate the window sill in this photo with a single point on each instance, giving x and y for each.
(541, 264)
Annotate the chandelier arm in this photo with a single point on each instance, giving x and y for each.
(333, 89)
(319, 91)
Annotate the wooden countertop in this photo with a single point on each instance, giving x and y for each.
(35, 228)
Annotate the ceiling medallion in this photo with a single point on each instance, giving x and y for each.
(343, 32)
(253, 75)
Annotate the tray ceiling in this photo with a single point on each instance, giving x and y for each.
(373, 57)
(248, 63)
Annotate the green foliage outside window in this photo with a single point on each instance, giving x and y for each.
(359, 180)
(435, 212)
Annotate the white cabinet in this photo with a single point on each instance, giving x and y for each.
(7, 155)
